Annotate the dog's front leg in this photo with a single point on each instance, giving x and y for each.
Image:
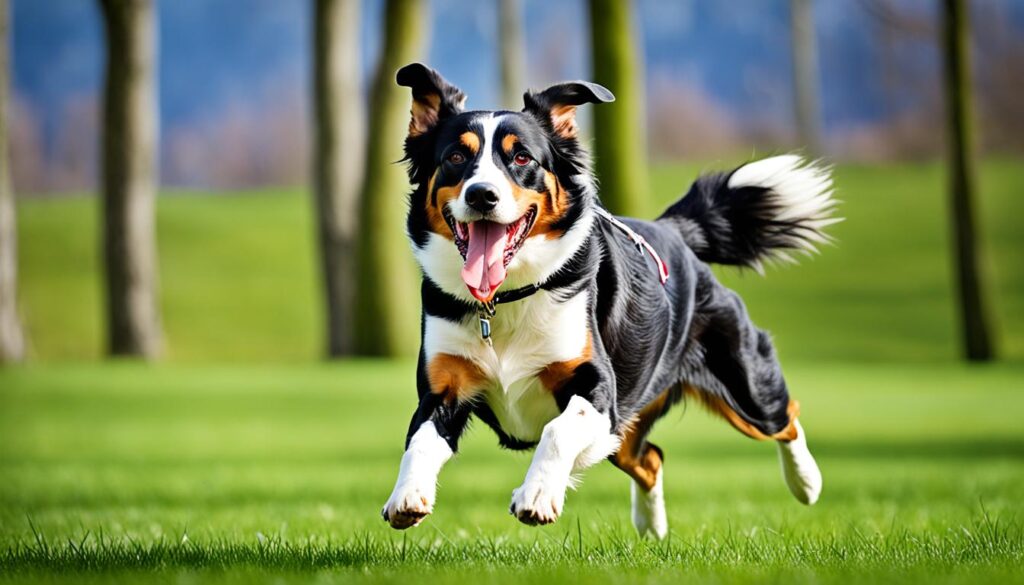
(432, 440)
(573, 441)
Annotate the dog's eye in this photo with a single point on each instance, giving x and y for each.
(456, 158)
(522, 158)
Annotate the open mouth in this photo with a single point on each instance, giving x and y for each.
(487, 248)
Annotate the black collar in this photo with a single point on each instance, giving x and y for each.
(516, 294)
(485, 311)
(566, 276)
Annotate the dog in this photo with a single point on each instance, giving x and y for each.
(570, 331)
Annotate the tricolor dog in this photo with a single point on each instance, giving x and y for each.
(569, 331)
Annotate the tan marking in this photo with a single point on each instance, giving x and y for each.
(508, 142)
(563, 119)
(435, 204)
(431, 196)
(721, 408)
(555, 375)
(455, 377)
(639, 458)
(558, 203)
(424, 114)
(551, 205)
(471, 141)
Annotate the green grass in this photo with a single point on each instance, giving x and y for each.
(238, 277)
(241, 459)
(240, 282)
(278, 473)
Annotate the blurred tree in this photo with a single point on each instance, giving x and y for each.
(621, 158)
(129, 181)
(513, 53)
(338, 161)
(970, 283)
(12, 339)
(387, 292)
(805, 75)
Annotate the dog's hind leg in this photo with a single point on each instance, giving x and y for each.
(799, 468)
(643, 461)
(739, 378)
(646, 491)
(648, 507)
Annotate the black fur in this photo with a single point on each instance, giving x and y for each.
(735, 226)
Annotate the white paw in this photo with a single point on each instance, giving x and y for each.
(649, 516)
(800, 469)
(537, 502)
(408, 505)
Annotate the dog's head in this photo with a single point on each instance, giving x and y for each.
(497, 192)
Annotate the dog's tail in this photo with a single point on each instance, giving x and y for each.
(759, 212)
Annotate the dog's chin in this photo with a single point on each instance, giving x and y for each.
(482, 296)
(487, 249)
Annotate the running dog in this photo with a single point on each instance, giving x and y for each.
(570, 331)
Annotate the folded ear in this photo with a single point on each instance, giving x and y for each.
(433, 98)
(557, 104)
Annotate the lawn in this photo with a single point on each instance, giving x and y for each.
(241, 457)
(219, 473)
(239, 277)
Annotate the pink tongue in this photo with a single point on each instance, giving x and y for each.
(484, 270)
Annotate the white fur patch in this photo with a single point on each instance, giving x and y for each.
(414, 493)
(527, 336)
(648, 514)
(575, 440)
(799, 468)
(803, 196)
(507, 210)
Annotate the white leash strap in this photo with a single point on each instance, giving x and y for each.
(641, 243)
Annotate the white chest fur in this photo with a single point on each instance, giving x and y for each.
(527, 336)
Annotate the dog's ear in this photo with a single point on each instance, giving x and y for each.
(557, 104)
(433, 98)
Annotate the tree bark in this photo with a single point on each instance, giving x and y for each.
(12, 339)
(338, 161)
(128, 180)
(387, 296)
(970, 282)
(513, 53)
(805, 75)
(619, 148)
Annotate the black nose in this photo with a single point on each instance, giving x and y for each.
(482, 197)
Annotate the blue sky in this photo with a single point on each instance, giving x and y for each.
(217, 54)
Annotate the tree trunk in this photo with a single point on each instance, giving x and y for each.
(387, 297)
(513, 53)
(128, 180)
(12, 340)
(970, 283)
(805, 75)
(338, 161)
(619, 149)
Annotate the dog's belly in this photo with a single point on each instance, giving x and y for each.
(528, 337)
(523, 409)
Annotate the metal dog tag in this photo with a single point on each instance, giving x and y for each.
(484, 313)
(485, 329)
